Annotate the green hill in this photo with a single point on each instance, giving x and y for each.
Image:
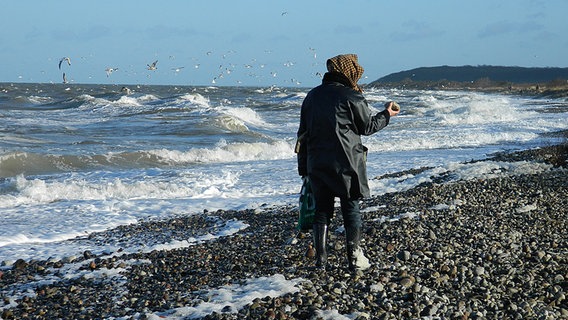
(514, 75)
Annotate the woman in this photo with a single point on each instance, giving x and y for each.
(334, 115)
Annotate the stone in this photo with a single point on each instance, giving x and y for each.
(404, 255)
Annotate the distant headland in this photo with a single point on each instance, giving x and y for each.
(514, 80)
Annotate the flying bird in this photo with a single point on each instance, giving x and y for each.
(153, 65)
(178, 69)
(64, 59)
(109, 71)
(314, 51)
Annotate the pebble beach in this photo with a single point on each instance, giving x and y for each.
(491, 248)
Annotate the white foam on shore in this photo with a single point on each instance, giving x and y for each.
(230, 228)
(456, 172)
(75, 270)
(406, 215)
(71, 249)
(335, 315)
(231, 298)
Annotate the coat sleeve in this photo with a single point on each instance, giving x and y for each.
(364, 121)
(301, 147)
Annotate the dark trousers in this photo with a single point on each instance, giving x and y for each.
(325, 200)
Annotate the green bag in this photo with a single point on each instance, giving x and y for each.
(307, 207)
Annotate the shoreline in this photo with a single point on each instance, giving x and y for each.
(484, 248)
(526, 89)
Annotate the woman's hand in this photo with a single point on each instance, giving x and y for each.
(393, 108)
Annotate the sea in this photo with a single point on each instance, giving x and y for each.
(79, 159)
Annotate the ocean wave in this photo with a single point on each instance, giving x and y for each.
(27, 163)
(15, 139)
(193, 99)
(142, 104)
(463, 108)
(295, 96)
(230, 123)
(245, 114)
(108, 186)
(478, 109)
(16, 163)
(91, 102)
(40, 99)
(443, 139)
(227, 152)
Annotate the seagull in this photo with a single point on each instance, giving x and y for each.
(314, 51)
(63, 59)
(153, 65)
(178, 69)
(109, 71)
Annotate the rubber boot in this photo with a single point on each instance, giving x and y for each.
(355, 255)
(320, 241)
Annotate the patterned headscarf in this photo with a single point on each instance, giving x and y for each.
(347, 65)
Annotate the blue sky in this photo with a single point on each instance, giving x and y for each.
(262, 43)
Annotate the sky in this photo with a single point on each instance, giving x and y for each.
(265, 43)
